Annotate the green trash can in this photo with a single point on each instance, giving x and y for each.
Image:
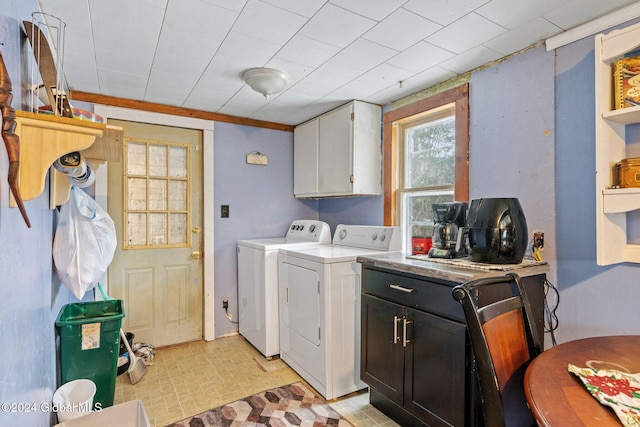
(89, 343)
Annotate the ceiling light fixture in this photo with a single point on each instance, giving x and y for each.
(266, 81)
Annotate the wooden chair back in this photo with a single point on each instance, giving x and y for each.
(504, 340)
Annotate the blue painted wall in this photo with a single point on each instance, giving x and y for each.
(352, 210)
(30, 294)
(260, 200)
(532, 136)
(594, 300)
(512, 139)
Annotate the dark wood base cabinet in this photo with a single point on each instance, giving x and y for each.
(415, 353)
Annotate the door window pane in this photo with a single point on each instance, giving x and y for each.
(157, 194)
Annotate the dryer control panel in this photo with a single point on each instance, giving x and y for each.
(377, 237)
(311, 230)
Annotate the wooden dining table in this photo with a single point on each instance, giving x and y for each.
(558, 398)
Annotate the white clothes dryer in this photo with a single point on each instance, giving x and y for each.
(319, 293)
(258, 281)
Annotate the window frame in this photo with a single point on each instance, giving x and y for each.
(459, 96)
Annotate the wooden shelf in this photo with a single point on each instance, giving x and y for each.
(45, 138)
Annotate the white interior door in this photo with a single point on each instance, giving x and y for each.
(155, 200)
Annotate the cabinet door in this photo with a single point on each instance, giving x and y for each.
(381, 358)
(305, 159)
(335, 151)
(436, 376)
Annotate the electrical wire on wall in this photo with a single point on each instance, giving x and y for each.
(225, 305)
(551, 319)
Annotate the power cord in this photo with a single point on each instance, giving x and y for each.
(552, 321)
(225, 305)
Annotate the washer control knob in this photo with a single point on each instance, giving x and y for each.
(343, 234)
(311, 228)
(374, 236)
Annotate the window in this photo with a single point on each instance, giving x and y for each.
(426, 149)
(156, 194)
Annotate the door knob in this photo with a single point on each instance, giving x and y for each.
(196, 254)
(195, 230)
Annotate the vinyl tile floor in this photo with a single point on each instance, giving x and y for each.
(191, 378)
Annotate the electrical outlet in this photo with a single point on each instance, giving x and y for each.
(225, 304)
(538, 239)
(224, 211)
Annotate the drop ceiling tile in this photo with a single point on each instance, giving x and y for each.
(131, 64)
(306, 8)
(223, 74)
(420, 56)
(83, 81)
(304, 112)
(292, 99)
(247, 51)
(465, 33)
(363, 54)
(443, 12)
(266, 22)
(355, 89)
(116, 25)
(74, 14)
(325, 79)
(374, 9)
(565, 16)
(121, 84)
(390, 94)
(243, 105)
(166, 94)
(386, 75)
(401, 29)
(523, 36)
(235, 5)
(206, 100)
(303, 50)
(183, 53)
(336, 26)
(510, 14)
(178, 82)
(199, 18)
(471, 59)
(78, 42)
(429, 77)
(294, 70)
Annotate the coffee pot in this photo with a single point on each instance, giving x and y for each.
(448, 218)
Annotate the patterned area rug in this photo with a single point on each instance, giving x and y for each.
(290, 405)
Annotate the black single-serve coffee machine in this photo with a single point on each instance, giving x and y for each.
(449, 218)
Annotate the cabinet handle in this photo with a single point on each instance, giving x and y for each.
(396, 319)
(406, 322)
(401, 288)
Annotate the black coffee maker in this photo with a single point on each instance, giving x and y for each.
(496, 231)
(448, 218)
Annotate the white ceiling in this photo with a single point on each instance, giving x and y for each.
(191, 53)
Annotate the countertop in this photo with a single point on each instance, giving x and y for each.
(454, 270)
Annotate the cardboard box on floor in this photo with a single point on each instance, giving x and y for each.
(127, 414)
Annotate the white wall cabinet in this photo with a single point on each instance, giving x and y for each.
(339, 153)
(612, 204)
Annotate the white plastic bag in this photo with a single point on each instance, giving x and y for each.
(84, 243)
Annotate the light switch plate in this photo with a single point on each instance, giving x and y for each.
(257, 159)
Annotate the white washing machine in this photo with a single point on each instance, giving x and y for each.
(258, 281)
(319, 293)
